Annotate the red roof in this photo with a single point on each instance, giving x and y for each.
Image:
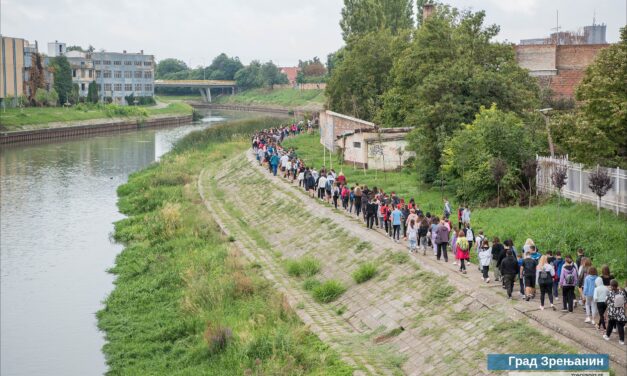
(291, 73)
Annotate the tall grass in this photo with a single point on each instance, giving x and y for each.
(576, 226)
(185, 301)
(278, 97)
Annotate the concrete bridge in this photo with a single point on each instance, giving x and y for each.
(204, 86)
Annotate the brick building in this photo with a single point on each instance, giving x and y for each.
(291, 73)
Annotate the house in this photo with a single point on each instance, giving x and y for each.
(375, 148)
(291, 73)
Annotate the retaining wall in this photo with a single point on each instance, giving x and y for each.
(20, 137)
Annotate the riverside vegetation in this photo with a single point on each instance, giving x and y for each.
(572, 226)
(185, 301)
(276, 97)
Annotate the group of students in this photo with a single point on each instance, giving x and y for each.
(599, 294)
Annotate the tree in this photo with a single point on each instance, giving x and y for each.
(92, 92)
(41, 97)
(271, 75)
(582, 140)
(529, 170)
(448, 72)
(558, 179)
(62, 78)
(361, 17)
(362, 75)
(225, 67)
(168, 66)
(499, 169)
(74, 94)
(250, 76)
(74, 48)
(53, 97)
(600, 182)
(603, 94)
(36, 78)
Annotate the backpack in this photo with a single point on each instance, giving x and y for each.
(544, 277)
(463, 244)
(619, 300)
(569, 277)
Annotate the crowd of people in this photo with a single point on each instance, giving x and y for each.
(403, 220)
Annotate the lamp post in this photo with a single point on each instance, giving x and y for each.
(544, 113)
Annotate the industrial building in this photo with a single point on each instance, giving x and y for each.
(12, 67)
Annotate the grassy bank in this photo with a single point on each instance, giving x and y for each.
(13, 119)
(276, 97)
(178, 97)
(185, 301)
(552, 226)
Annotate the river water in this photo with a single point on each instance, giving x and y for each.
(57, 206)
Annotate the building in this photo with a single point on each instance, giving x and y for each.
(291, 73)
(117, 74)
(12, 67)
(363, 143)
(560, 61)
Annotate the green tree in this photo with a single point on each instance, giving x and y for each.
(41, 97)
(74, 94)
(75, 48)
(224, 68)
(449, 71)
(271, 75)
(487, 153)
(250, 76)
(603, 93)
(62, 78)
(168, 66)
(362, 75)
(360, 17)
(53, 97)
(92, 92)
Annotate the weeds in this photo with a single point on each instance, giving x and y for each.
(328, 291)
(365, 272)
(306, 267)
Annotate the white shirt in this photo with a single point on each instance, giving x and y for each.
(322, 182)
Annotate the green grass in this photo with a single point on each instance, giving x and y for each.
(552, 226)
(177, 97)
(365, 272)
(328, 291)
(13, 119)
(306, 266)
(185, 301)
(277, 97)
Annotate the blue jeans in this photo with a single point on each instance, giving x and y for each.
(274, 168)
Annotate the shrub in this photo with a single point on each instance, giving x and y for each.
(310, 284)
(365, 272)
(293, 268)
(243, 284)
(328, 291)
(306, 266)
(217, 337)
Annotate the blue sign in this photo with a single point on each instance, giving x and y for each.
(548, 362)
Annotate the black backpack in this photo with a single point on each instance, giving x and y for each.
(569, 277)
(544, 277)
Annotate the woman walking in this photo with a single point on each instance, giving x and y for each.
(463, 250)
(600, 296)
(412, 235)
(615, 312)
(545, 274)
(485, 258)
(588, 292)
(568, 282)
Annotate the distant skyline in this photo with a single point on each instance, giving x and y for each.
(283, 31)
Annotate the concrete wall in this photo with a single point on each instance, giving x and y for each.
(364, 149)
(389, 148)
(320, 86)
(333, 124)
(11, 67)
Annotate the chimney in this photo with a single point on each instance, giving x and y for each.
(427, 11)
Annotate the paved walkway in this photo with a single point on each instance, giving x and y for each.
(420, 317)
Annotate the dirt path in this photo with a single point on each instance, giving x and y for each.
(416, 317)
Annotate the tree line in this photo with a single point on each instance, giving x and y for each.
(473, 109)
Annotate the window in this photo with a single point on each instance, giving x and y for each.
(147, 63)
(82, 63)
(82, 73)
(128, 74)
(148, 74)
(117, 62)
(90, 73)
(106, 62)
(96, 62)
(98, 74)
(128, 87)
(117, 87)
(106, 74)
(117, 74)
(74, 73)
(82, 87)
(138, 87)
(138, 74)
(128, 62)
(148, 87)
(357, 145)
(107, 87)
(138, 62)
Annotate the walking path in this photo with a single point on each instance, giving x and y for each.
(417, 316)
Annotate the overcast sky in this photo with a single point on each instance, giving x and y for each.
(280, 30)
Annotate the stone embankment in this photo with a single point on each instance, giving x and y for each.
(416, 316)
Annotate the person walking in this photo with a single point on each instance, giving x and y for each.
(557, 265)
(568, 282)
(422, 234)
(485, 258)
(529, 267)
(412, 235)
(615, 312)
(447, 208)
(435, 222)
(441, 240)
(545, 273)
(397, 217)
(510, 270)
(371, 209)
(497, 250)
(588, 292)
(463, 250)
(600, 296)
(357, 192)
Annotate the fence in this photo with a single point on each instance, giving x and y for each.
(576, 188)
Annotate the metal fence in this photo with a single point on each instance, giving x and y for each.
(576, 188)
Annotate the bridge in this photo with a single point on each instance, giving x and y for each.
(203, 86)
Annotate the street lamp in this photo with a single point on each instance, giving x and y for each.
(545, 112)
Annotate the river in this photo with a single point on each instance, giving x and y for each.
(57, 206)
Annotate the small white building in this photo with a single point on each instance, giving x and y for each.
(375, 148)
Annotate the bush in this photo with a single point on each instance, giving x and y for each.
(365, 272)
(306, 266)
(328, 291)
(310, 284)
(217, 337)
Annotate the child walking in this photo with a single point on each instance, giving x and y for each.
(485, 258)
(412, 235)
(615, 312)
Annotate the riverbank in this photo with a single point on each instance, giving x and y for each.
(312, 100)
(34, 118)
(565, 226)
(185, 300)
